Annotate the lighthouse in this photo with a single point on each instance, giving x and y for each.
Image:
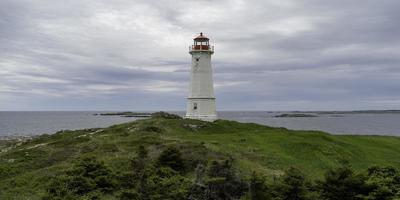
(201, 99)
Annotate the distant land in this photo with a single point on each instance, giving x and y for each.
(295, 115)
(336, 113)
(126, 114)
(352, 112)
(285, 113)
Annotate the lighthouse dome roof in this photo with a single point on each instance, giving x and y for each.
(201, 37)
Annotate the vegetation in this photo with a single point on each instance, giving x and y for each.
(166, 157)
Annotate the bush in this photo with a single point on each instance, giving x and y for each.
(223, 182)
(59, 188)
(292, 185)
(152, 129)
(165, 115)
(385, 183)
(343, 184)
(96, 172)
(167, 184)
(88, 176)
(129, 195)
(258, 187)
(6, 171)
(172, 157)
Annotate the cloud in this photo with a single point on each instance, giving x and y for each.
(269, 55)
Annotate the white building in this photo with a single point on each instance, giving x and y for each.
(201, 99)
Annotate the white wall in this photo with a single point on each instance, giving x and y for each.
(201, 89)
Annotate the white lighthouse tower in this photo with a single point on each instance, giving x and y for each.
(201, 99)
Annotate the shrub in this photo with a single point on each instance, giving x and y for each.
(59, 188)
(6, 171)
(223, 182)
(292, 185)
(167, 184)
(165, 115)
(343, 184)
(87, 176)
(258, 187)
(171, 157)
(152, 129)
(385, 183)
(129, 195)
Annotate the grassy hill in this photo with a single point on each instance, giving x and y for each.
(26, 167)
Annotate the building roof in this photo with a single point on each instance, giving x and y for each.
(201, 37)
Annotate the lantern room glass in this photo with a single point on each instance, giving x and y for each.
(201, 43)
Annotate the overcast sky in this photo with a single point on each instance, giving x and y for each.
(133, 54)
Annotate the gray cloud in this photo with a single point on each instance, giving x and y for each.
(270, 55)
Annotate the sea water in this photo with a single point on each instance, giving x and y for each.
(35, 123)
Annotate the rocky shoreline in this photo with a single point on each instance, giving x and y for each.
(17, 137)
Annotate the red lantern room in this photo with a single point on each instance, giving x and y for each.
(201, 43)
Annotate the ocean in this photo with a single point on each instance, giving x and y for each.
(35, 123)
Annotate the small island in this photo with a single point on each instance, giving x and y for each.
(126, 114)
(360, 112)
(295, 115)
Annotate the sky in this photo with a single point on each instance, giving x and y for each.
(133, 54)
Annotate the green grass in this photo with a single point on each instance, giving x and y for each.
(26, 168)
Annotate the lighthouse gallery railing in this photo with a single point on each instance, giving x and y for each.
(201, 48)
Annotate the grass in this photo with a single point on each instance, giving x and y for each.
(26, 167)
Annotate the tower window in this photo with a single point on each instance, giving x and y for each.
(194, 106)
